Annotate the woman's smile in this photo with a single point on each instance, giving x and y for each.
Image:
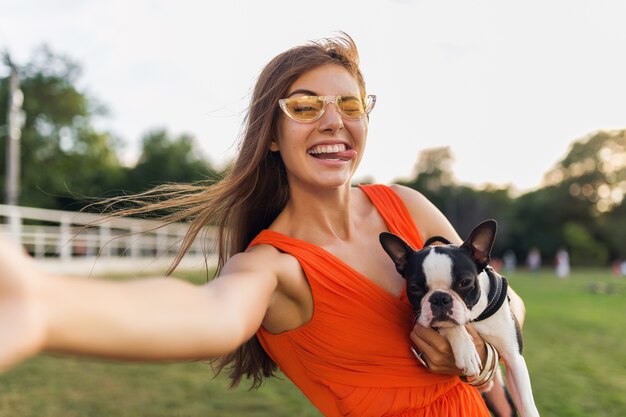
(333, 152)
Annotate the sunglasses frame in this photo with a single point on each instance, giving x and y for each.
(369, 103)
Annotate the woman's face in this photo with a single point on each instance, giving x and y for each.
(326, 152)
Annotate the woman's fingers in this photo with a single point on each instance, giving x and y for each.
(435, 350)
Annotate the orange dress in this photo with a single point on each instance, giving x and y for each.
(353, 357)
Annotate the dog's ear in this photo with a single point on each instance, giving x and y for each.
(480, 242)
(397, 249)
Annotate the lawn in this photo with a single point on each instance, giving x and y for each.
(574, 335)
(575, 342)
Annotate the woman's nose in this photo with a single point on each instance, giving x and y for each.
(331, 120)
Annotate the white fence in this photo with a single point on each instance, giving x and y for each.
(83, 243)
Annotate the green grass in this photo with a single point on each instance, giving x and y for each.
(574, 335)
(575, 342)
(53, 386)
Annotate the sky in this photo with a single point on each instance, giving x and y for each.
(507, 85)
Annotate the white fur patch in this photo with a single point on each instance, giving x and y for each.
(437, 268)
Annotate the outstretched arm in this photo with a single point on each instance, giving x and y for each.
(146, 319)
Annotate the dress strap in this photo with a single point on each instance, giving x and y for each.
(394, 212)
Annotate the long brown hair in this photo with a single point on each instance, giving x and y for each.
(255, 190)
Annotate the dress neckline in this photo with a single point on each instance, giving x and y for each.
(326, 253)
(361, 276)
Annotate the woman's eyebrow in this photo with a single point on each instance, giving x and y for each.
(303, 91)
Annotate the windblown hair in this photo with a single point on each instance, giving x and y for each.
(255, 189)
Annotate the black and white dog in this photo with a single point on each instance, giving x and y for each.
(450, 286)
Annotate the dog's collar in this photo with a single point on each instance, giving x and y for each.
(434, 239)
(497, 294)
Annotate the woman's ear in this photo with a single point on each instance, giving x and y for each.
(274, 146)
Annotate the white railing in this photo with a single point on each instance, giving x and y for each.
(85, 243)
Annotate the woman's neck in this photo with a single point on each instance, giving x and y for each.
(318, 215)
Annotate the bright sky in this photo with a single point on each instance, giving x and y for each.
(507, 85)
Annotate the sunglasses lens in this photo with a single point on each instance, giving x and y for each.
(351, 106)
(304, 108)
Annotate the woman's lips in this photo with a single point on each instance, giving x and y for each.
(334, 152)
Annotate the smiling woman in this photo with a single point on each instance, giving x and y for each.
(331, 136)
(303, 283)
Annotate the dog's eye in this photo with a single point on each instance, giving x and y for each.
(465, 283)
(414, 289)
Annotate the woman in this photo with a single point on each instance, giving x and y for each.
(303, 282)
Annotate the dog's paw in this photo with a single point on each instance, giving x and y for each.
(469, 362)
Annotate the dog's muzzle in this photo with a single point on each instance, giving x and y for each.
(440, 305)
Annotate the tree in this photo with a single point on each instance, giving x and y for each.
(63, 158)
(464, 206)
(538, 218)
(165, 159)
(612, 226)
(433, 177)
(583, 247)
(594, 169)
(433, 169)
(580, 203)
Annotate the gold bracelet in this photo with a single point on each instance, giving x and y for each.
(489, 370)
(492, 372)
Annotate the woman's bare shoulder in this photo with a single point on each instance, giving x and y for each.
(259, 257)
(419, 206)
(409, 195)
(268, 260)
(429, 220)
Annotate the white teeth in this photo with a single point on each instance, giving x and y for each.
(319, 149)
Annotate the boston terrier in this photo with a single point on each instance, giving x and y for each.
(450, 286)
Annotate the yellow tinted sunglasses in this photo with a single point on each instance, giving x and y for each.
(307, 109)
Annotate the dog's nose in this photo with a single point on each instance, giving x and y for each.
(440, 299)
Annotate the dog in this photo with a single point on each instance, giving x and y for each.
(450, 286)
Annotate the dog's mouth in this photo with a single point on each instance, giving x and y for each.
(449, 322)
(439, 318)
(444, 319)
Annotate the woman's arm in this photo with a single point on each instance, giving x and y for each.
(146, 319)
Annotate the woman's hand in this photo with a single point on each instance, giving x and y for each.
(22, 328)
(437, 352)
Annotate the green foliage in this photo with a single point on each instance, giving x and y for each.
(62, 156)
(65, 161)
(594, 170)
(464, 206)
(165, 159)
(583, 248)
(585, 189)
(612, 227)
(539, 217)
